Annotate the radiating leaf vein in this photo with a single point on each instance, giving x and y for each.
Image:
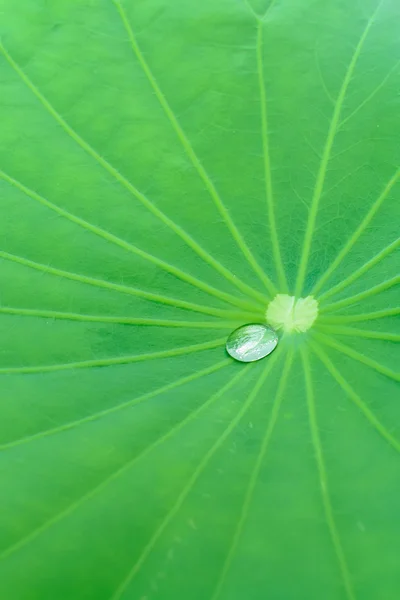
(196, 474)
(180, 231)
(353, 239)
(254, 476)
(117, 360)
(68, 510)
(116, 408)
(114, 239)
(370, 96)
(354, 318)
(323, 480)
(116, 287)
(359, 333)
(376, 424)
(326, 155)
(122, 320)
(361, 358)
(198, 165)
(274, 241)
(373, 291)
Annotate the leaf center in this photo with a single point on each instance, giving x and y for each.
(292, 314)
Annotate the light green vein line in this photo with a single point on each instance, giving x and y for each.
(116, 408)
(254, 476)
(342, 179)
(116, 287)
(329, 341)
(262, 17)
(251, 9)
(268, 9)
(123, 180)
(376, 424)
(361, 271)
(370, 96)
(359, 333)
(119, 360)
(323, 480)
(113, 239)
(65, 316)
(353, 239)
(119, 472)
(187, 146)
(320, 181)
(381, 287)
(191, 482)
(267, 164)
(379, 314)
(321, 77)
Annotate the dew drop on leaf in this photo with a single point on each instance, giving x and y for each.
(251, 342)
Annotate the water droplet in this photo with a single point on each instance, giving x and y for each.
(251, 342)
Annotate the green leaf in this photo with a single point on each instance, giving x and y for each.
(167, 169)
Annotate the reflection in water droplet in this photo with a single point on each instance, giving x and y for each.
(251, 342)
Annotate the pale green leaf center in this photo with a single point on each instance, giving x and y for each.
(292, 314)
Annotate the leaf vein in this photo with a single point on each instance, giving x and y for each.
(323, 480)
(196, 162)
(68, 510)
(320, 181)
(180, 231)
(361, 358)
(116, 287)
(116, 408)
(118, 360)
(353, 239)
(381, 287)
(267, 163)
(376, 424)
(113, 239)
(122, 320)
(360, 333)
(371, 95)
(254, 476)
(379, 314)
(196, 474)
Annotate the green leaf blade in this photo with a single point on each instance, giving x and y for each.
(165, 170)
